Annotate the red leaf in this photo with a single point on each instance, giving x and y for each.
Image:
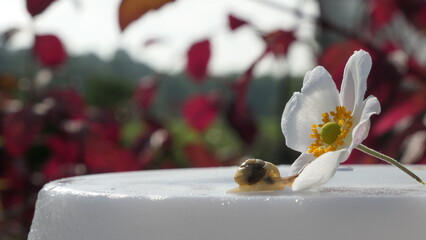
(420, 17)
(49, 50)
(36, 7)
(103, 151)
(382, 82)
(416, 70)
(146, 92)
(55, 168)
(198, 57)
(235, 22)
(13, 186)
(199, 156)
(19, 131)
(68, 104)
(383, 76)
(243, 123)
(382, 11)
(390, 47)
(238, 114)
(408, 108)
(130, 10)
(278, 42)
(241, 88)
(414, 11)
(107, 156)
(200, 111)
(247, 129)
(64, 149)
(334, 58)
(105, 127)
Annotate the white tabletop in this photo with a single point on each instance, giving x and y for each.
(370, 202)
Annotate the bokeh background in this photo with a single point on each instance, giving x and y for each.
(99, 86)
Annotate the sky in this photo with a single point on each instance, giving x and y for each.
(91, 26)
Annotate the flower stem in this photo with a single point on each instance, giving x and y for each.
(390, 160)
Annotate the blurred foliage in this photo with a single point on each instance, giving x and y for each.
(105, 92)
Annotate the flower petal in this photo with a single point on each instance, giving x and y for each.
(360, 132)
(300, 163)
(354, 82)
(318, 95)
(319, 171)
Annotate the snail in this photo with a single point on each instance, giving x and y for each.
(259, 175)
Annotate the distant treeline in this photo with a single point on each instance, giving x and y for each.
(106, 83)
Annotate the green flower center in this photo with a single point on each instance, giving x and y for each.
(330, 132)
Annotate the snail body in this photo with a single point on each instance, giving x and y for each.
(259, 175)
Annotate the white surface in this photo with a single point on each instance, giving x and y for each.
(361, 202)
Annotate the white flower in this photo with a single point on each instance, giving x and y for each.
(325, 125)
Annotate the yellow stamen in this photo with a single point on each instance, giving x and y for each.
(331, 134)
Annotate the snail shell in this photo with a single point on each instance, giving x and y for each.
(258, 175)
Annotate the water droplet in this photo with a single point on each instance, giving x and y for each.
(299, 200)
